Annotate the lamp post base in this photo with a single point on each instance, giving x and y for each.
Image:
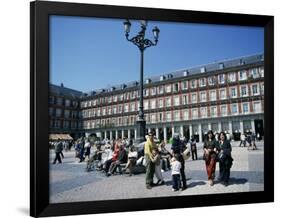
(140, 125)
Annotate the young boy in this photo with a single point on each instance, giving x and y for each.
(176, 166)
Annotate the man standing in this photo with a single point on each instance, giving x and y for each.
(150, 166)
(178, 149)
(58, 150)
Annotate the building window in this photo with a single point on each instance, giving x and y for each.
(222, 94)
(232, 77)
(257, 107)
(168, 102)
(59, 101)
(213, 111)
(120, 109)
(104, 111)
(126, 109)
(176, 101)
(244, 91)
(185, 114)
(185, 99)
(57, 124)
(133, 106)
(176, 115)
(153, 104)
(261, 71)
(213, 95)
(194, 113)
(160, 103)
(168, 88)
(233, 92)
(51, 100)
(194, 97)
(255, 73)
(176, 87)
(211, 80)
(146, 105)
(255, 89)
(153, 91)
(65, 124)
(242, 75)
(109, 110)
(115, 98)
(160, 89)
(66, 113)
(193, 83)
(67, 102)
(153, 118)
(262, 88)
(51, 111)
(202, 82)
(203, 112)
(168, 116)
(184, 85)
(160, 117)
(146, 92)
(203, 96)
(223, 110)
(234, 109)
(245, 107)
(221, 78)
(58, 112)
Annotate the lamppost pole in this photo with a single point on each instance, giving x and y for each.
(142, 43)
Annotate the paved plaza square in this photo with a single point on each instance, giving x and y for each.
(69, 182)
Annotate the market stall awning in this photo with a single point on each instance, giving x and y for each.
(60, 137)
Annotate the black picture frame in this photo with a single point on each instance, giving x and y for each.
(39, 86)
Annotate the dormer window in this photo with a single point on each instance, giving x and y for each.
(203, 69)
(162, 78)
(148, 81)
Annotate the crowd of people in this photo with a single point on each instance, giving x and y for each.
(153, 158)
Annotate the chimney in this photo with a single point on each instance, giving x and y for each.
(61, 85)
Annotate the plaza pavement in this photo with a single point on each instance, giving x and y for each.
(69, 182)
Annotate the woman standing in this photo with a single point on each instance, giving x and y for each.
(210, 156)
(225, 159)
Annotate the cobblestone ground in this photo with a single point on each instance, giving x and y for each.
(70, 183)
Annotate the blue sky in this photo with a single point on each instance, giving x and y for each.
(92, 53)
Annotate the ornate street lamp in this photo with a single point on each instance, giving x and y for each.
(142, 43)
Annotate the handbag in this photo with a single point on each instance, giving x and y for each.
(186, 154)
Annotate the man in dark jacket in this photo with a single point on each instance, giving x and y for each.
(58, 150)
(178, 148)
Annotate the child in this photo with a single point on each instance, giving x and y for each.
(156, 160)
(176, 166)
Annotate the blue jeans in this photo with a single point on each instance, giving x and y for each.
(176, 182)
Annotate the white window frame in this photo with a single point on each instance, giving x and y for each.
(211, 96)
(237, 109)
(205, 98)
(247, 91)
(192, 99)
(223, 106)
(235, 88)
(211, 111)
(221, 97)
(203, 112)
(258, 89)
(245, 103)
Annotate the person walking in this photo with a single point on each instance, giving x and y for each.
(193, 148)
(82, 149)
(150, 166)
(225, 159)
(176, 171)
(177, 149)
(242, 140)
(210, 156)
(88, 149)
(58, 150)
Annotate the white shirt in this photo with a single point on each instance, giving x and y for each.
(176, 166)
